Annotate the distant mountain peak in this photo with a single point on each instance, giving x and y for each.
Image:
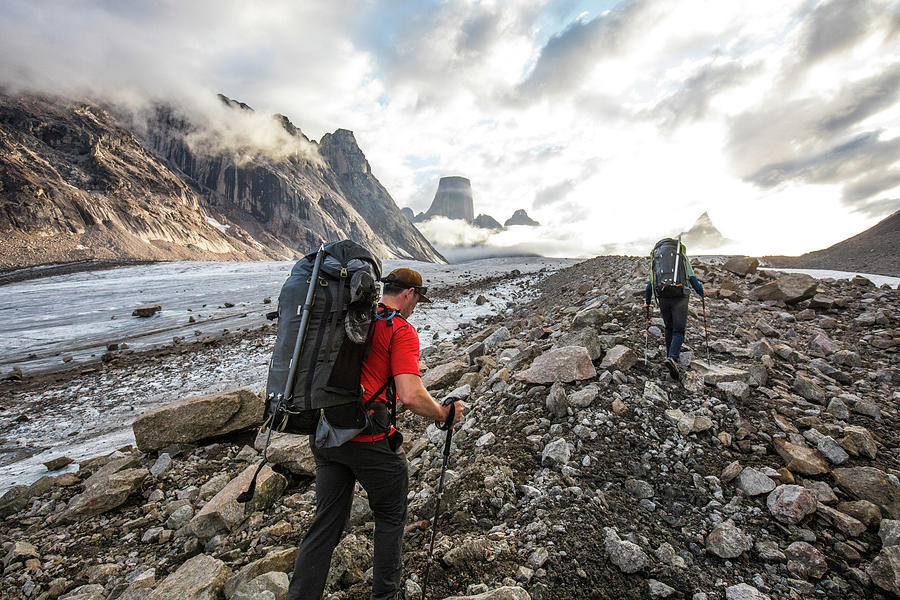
(486, 222)
(520, 217)
(234, 103)
(453, 199)
(704, 235)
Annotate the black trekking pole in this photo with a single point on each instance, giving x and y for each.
(448, 425)
(705, 329)
(647, 335)
(247, 495)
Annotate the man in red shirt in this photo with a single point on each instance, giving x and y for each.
(376, 460)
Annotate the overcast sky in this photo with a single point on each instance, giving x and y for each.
(611, 123)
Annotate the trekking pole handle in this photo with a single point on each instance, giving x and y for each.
(448, 422)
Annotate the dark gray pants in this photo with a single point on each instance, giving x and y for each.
(674, 313)
(383, 474)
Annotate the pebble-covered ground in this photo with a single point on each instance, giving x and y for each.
(580, 471)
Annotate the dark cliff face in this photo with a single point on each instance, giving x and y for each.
(368, 198)
(76, 183)
(453, 200)
(296, 200)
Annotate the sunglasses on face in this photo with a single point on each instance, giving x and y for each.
(420, 290)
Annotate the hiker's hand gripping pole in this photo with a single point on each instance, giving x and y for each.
(448, 426)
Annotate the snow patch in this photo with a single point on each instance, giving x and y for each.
(826, 274)
(217, 225)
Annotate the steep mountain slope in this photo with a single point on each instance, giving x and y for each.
(81, 182)
(75, 184)
(876, 250)
(296, 198)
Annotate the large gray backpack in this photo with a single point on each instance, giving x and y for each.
(330, 363)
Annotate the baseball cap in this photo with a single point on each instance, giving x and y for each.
(407, 278)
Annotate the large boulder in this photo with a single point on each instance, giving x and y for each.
(224, 513)
(19, 552)
(858, 441)
(569, 363)
(619, 358)
(741, 265)
(753, 482)
(19, 496)
(91, 591)
(874, 485)
(743, 591)
(193, 419)
(351, 558)
(200, 578)
(593, 316)
(106, 489)
(277, 559)
(789, 289)
(289, 450)
(841, 521)
(444, 375)
(712, 374)
(274, 582)
(628, 556)
(805, 561)
(586, 337)
(728, 541)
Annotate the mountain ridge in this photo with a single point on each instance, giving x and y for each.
(80, 181)
(875, 250)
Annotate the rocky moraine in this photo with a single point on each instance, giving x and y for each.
(580, 471)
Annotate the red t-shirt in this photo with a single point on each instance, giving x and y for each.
(395, 351)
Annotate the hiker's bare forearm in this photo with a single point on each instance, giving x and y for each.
(416, 398)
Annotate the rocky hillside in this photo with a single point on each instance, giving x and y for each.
(77, 182)
(579, 472)
(876, 250)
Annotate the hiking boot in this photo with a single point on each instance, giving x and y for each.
(672, 366)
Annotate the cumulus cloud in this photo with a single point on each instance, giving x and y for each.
(607, 126)
(567, 57)
(453, 232)
(552, 194)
